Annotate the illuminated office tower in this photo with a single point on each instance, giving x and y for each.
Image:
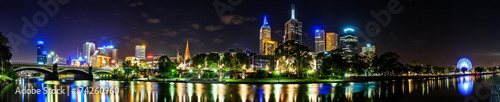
(265, 36)
(319, 40)
(349, 44)
(331, 41)
(140, 52)
(41, 55)
(88, 51)
(293, 29)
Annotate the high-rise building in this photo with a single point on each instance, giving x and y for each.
(114, 57)
(319, 40)
(265, 36)
(41, 55)
(331, 41)
(293, 29)
(369, 49)
(140, 52)
(187, 55)
(349, 43)
(88, 51)
(270, 46)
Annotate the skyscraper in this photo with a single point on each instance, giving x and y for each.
(88, 51)
(293, 28)
(349, 43)
(265, 36)
(41, 55)
(187, 55)
(114, 56)
(331, 42)
(140, 52)
(319, 40)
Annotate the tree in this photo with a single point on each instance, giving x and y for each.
(227, 61)
(260, 74)
(332, 64)
(12, 74)
(359, 64)
(479, 69)
(199, 60)
(126, 66)
(241, 60)
(294, 56)
(167, 67)
(388, 62)
(213, 60)
(5, 54)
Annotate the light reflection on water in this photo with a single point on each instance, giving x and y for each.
(392, 90)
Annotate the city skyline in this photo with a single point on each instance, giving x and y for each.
(419, 42)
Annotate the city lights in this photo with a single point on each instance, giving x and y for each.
(348, 29)
(316, 51)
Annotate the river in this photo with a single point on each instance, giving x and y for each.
(457, 89)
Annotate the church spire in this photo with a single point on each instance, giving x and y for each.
(187, 55)
(178, 57)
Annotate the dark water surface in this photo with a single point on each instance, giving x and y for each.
(456, 89)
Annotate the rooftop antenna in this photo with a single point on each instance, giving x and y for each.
(293, 11)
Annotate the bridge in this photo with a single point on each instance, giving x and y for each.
(52, 71)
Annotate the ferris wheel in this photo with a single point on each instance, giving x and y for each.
(464, 63)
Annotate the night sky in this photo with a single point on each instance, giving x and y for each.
(435, 32)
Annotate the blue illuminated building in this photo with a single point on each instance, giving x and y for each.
(41, 54)
(319, 41)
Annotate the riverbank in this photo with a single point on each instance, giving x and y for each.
(307, 80)
(495, 89)
(4, 81)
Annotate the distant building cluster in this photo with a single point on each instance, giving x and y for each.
(347, 41)
(107, 56)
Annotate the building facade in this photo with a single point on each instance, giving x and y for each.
(88, 51)
(114, 57)
(293, 29)
(100, 61)
(270, 46)
(319, 40)
(140, 52)
(331, 41)
(368, 50)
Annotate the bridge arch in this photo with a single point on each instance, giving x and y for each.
(39, 69)
(74, 71)
(103, 71)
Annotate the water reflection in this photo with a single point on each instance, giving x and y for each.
(392, 90)
(465, 84)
